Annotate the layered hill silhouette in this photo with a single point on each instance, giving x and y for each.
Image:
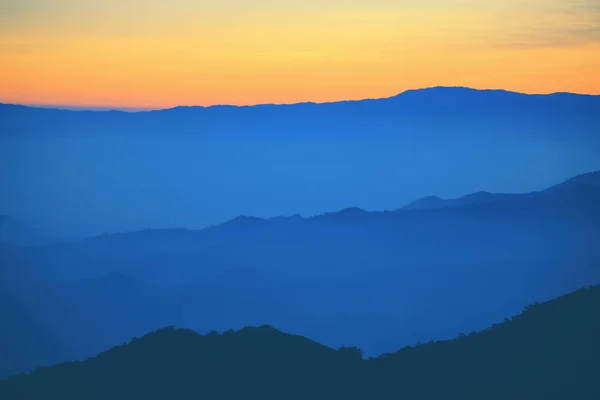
(192, 166)
(439, 266)
(549, 351)
(416, 98)
(379, 280)
(583, 187)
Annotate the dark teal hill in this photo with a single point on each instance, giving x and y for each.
(550, 351)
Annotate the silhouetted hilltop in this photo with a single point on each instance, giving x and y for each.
(244, 221)
(580, 187)
(426, 202)
(354, 276)
(579, 191)
(549, 351)
(345, 214)
(178, 363)
(589, 178)
(482, 197)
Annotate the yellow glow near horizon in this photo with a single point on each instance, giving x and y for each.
(155, 54)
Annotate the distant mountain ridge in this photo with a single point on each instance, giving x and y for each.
(589, 179)
(404, 146)
(586, 180)
(460, 90)
(463, 267)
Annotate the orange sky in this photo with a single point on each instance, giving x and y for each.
(157, 54)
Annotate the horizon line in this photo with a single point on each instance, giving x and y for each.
(99, 108)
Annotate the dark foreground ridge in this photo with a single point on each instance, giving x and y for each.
(550, 351)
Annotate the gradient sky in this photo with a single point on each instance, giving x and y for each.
(156, 54)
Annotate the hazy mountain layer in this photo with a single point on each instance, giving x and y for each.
(378, 280)
(81, 173)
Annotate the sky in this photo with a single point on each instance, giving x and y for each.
(145, 54)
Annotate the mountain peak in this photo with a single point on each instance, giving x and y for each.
(454, 90)
(425, 202)
(290, 218)
(348, 212)
(588, 178)
(246, 219)
(263, 330)
(480, 195)
(352, 210)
